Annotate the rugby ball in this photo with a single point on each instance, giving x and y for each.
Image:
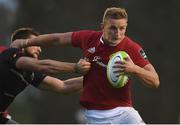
(115, 81)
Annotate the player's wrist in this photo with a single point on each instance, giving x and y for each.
(135, 69)
(76, 68)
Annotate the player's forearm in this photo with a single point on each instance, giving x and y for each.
(46, 40)
(52, 84)
(73, 85)
(56, 67)
(42, 40)
(68, 86)
(150, 78)
(55, 39)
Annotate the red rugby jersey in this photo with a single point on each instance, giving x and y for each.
(97, 93)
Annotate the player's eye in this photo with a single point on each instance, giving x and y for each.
(122, 28)
(113, 28)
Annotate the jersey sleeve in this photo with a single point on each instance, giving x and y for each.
(38, 78)
(80, 38)
(138, 56)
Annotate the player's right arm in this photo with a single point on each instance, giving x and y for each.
(54, 39)
(48, 66)
(64, 87)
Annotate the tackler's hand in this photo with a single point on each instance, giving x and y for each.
(82, 66)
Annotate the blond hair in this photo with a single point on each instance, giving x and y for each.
(114, 13)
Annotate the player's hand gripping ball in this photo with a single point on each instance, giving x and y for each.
(115, 81)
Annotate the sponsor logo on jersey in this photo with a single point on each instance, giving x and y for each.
(143, 54)
(98, 60)
(92, 50)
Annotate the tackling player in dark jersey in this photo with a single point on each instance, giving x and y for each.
(21, 67)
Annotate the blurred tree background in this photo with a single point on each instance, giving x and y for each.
(153, 24)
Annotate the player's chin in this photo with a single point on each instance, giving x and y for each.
(114, 41)
(117, 38)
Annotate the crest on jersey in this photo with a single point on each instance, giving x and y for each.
(143, 54)
(92, 50)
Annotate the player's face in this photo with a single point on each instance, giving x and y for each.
(33, 50)
(114, 31)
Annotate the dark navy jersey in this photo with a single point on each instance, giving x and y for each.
(12, 80)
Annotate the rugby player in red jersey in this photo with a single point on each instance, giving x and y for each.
(102, 102)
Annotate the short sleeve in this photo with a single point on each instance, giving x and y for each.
(38, 78)
(138, 55)
(80, 38)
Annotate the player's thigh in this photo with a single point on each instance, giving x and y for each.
(97, 121)
(128, 117)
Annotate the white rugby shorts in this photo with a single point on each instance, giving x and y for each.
(119, 115)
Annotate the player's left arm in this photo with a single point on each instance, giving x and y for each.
(64, 87)
(147, 73)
